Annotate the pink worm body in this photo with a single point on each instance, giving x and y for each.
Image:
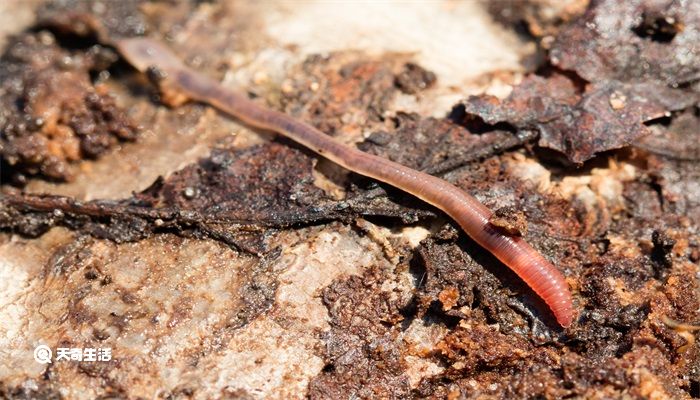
(469, 213)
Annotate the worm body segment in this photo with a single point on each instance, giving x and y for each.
(469, 213)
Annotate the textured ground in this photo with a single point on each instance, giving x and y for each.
(221, 262)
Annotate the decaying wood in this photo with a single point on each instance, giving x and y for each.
(217, 261)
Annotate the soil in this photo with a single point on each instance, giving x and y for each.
(222, 262)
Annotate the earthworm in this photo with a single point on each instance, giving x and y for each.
(150, 55)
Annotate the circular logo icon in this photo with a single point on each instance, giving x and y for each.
(42, 354)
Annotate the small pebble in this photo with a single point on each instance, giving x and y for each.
(617, 100)
(190, 193)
